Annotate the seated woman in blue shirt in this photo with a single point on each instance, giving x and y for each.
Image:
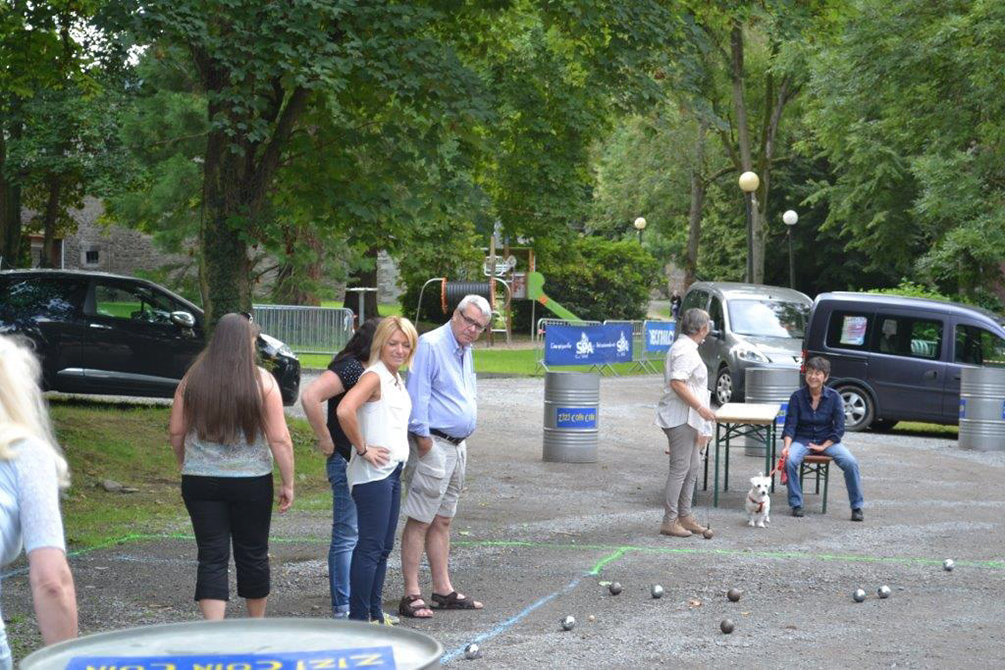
(814, 424)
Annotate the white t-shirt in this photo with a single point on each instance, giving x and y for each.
(683, 363)
(29, 508)
(383, 423)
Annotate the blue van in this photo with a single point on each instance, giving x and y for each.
(900, 359)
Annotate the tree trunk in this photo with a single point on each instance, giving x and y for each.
(226, 268)
(697, 205)
(755, 273)
(49, 219)
(364, 279)
(10, 211)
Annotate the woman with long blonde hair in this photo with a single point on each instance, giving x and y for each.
(374, 415)
(227, 426)
(32, 470)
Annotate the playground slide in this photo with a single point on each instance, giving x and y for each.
(535, 291)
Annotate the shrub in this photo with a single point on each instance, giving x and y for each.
(596, 279)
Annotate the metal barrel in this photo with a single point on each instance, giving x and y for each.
(244, 644)
(769, 385)
(982, 409)
(571, 417)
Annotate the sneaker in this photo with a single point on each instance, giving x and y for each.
(674, 529)
(797, 512)
(391, 620)
(856, 515)
(691, 524)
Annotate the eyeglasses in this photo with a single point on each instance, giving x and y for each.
(471, 323)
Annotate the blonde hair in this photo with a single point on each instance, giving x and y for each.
(23, 413)
(388, 326)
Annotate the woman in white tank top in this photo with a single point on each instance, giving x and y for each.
(374, 416)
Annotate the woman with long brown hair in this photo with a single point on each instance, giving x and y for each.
(227, 426)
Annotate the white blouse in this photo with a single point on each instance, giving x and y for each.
(383, 423)
(683, 363)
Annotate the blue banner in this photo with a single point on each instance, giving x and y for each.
(576, 417)
(364, 657)
(963, 408)
(659, 335)
(588, 345)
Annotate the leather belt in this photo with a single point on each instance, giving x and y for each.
(456, 441)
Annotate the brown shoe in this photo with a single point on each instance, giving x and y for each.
(674, 529)
(690, 523)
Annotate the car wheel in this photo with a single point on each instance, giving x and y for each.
(858, 408)
(724, 387)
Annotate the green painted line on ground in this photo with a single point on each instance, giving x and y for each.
(618, 551)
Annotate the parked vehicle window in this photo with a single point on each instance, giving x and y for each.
(135, 303)
(694, 299)
(848, 330)
(976, 346)
(715, 314)
(48, 297)
(905, 336)
(768, 318)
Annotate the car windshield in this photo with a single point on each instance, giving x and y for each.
(768, 318)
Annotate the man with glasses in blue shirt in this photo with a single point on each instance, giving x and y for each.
(441, 383)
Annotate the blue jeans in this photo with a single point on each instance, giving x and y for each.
(377, 506)
(844, 460)
(343, 536)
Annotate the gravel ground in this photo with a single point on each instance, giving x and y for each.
(536, 541)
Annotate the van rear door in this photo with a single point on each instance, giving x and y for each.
(907, 367)
(974, 344)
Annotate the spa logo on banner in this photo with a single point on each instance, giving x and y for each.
(587, 345)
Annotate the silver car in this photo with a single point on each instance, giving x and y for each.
(751, 325)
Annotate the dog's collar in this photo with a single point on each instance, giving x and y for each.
(760, 504)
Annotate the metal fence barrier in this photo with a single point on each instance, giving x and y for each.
(307, 330)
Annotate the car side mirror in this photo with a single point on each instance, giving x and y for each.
(183, 319)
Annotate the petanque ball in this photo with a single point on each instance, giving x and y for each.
(568, 623)
(734, 595)
(884, 591)
(615, 588)
(591, 618)
(708, 534)
(859, 595)
(656, 591)
(726, 626)
(948, 565)
(472, 651)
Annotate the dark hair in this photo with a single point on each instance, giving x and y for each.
(820, 364)
(358, 346)
(223, 388)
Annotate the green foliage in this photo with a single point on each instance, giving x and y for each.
(905, 110)
(597, 279)
(912, 290)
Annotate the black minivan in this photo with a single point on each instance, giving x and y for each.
(899, 359)
(107, 334)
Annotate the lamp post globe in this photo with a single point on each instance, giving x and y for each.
(640, 225)
(790, 218)
(749, 181)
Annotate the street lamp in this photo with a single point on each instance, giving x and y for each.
(748, 184)
(790, 218)
(640, 225)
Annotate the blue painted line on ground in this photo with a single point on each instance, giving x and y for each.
(509, 623)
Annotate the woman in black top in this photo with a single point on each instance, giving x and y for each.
(342, 374)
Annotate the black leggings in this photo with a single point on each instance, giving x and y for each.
(224, 509)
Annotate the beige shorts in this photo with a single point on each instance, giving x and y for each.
(434, 481)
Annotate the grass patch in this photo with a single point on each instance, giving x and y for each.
(518, 362)
(128, 444)
(383, 309)
(927, 429)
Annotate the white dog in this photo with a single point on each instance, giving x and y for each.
(758, 503)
